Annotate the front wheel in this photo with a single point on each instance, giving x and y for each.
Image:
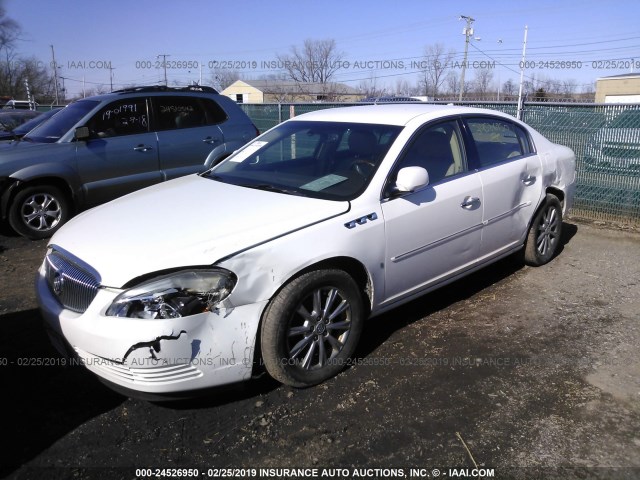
(543, 238)
(37, 211)
(312, 327)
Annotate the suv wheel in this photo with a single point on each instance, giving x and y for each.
(38, 211)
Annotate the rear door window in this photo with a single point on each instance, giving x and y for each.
(179, 112)
(497, 140)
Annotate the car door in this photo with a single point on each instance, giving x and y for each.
(433, 233)
(511, 175)
(121, 154)
(188, 131)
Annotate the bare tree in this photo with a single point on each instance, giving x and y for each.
(569, 87)
(222, 78)
(509, 90)
(436, 63)
(15, 71)
(403, 88)
(9, 29)
(316, 62)
(370, 88)
(452, 83)
(482, 81)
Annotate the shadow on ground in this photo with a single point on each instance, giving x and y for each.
(43, 401)
(379, 329)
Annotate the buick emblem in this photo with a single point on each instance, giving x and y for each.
(58, 282)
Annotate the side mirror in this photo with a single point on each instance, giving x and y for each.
(82, 133)
(411, 178)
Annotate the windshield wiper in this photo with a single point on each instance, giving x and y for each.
(272, 188)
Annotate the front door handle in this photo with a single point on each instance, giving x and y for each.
(529, 180)
(143, 148)
(470, 202)
(210, 140)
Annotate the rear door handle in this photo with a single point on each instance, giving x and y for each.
(470, 202)
(529, 180)
(210, 140)
(143, 148)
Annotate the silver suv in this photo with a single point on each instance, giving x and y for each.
(102, 147)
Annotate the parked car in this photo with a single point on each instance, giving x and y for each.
(615, 148)
(21, 130)
(20, 105)
(10, 120)
(102, 147)
(278, 255)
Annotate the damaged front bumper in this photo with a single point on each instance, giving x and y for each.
(155, 356)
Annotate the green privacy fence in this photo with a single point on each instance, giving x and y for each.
(604, 137)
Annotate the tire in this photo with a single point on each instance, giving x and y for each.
(38, 211)
(312, 327)
(543, 238)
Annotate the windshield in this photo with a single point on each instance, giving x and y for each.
(9, 121)
(26, 127)
(50, 132)
(328, 160)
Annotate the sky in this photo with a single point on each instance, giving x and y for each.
(122, 41)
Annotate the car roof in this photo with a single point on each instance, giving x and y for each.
(393, 114)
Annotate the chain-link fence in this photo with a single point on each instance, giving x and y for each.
(604, 137)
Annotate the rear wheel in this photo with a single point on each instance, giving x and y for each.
(38, 211)
(543, 238)
(312, 327)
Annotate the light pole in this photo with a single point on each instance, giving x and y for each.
(522, 64)
(468, 33)
(500, 43)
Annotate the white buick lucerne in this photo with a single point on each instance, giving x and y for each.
(278, 254)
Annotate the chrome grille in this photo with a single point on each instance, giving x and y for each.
(74, 287)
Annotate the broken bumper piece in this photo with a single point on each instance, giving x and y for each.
(155, 356)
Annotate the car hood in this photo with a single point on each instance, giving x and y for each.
(190, 221)
(15, 152)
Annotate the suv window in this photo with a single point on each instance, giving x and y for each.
(497, 140)
(124, 117)
(186, 112)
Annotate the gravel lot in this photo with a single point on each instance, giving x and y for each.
(517, 369)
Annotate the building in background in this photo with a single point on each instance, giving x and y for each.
(285, 91)
(623, 88)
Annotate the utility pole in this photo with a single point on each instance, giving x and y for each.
(522, 63)
(164, 63)
(55, 74)
(468, 33)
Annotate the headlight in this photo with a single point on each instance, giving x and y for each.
(176, 295)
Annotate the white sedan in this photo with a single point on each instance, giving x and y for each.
(277, 256)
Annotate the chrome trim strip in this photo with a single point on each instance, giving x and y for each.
(424, 248)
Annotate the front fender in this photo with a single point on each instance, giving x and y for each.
(31, 173)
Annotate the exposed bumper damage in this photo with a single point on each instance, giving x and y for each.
(156, 356)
